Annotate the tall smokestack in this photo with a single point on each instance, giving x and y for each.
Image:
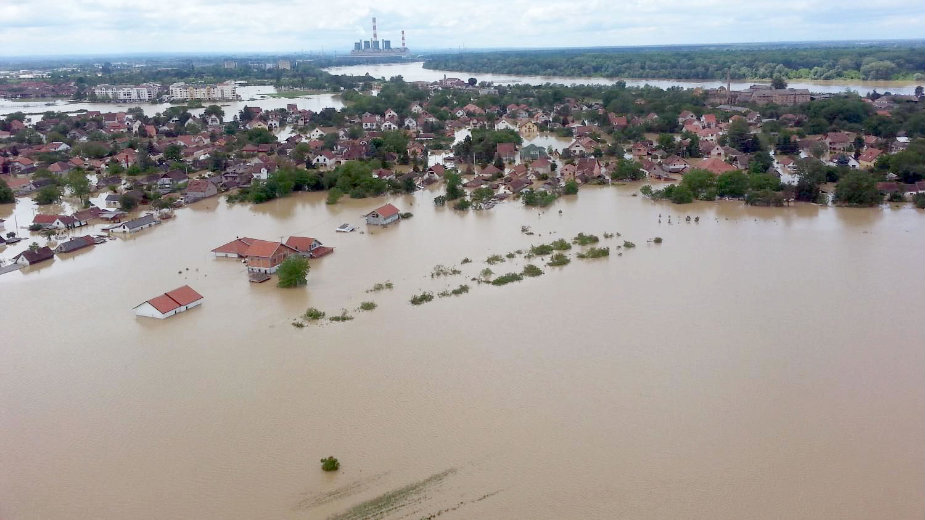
(402, 38)
(374, 29)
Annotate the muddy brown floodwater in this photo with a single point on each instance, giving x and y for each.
(764, 363)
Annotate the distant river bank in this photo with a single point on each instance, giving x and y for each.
(416, 72)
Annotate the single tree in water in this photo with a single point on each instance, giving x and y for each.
(293, 271)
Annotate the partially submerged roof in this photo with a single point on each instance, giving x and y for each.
(385, 211)
(179, 297)
(237, 246)
(301, 244)
(264, 248)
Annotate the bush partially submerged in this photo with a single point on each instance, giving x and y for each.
(558, 259)
(380, 287)
(330, 464)
(532, 271)
(442, 270)
(505, 279)
(595, 252)
(343, 316)
(367, 306)
(313, 314)
(462, 289)
(420, 299)
(582, 239)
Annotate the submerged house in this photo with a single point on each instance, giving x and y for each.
(134, 225)
(166, 305)
(383, 216)
(309, 247)
(34, 256)
(74, 244)
(265, 257)
(237, 248)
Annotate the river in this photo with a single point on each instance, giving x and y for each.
(762, 363)
(251, 95)
(415, 71)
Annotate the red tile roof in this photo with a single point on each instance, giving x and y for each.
(264, 248)
(300, 244)
(387, 211)
(715, 165)
(163, 303)
(178, 297)
(237, 246)
(44, 219)
(184, 295)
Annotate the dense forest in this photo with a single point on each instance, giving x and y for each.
(879, 61)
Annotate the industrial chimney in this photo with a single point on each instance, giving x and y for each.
(402, 38)
(374, 29)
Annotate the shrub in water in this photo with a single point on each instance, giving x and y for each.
(330, 464)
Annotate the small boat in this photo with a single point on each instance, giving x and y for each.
(345, 228)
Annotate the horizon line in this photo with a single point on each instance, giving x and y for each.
(445, 50)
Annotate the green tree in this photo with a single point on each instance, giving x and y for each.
(173, 153)
(454, 188)
(681, 195)
(732, 184)
(293, 271)
(127, 202)
(214, 110)
(48, 195)
(738, 134)
(778, 82)
(701, 184)
(6, 193)
(79, 184)
(571, 187)
(627, 170)
(857, 188)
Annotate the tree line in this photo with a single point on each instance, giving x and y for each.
(878, 61)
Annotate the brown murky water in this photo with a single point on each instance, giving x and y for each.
(764, 363)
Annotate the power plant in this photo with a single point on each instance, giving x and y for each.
(376, 48)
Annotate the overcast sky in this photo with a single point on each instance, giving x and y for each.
(55, 27)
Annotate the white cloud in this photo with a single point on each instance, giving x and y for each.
(120, 26)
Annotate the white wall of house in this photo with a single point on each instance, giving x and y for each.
(147, 310)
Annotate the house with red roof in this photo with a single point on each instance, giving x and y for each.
(57, 221)
(309, 247)
(234, 249)
(265, 257)
(173, 302)
(383, 216)
(34, 256)
(507, 151)
(714, 165)
(198, 190)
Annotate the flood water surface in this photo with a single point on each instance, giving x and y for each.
(762, 363)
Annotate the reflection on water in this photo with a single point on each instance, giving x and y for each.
(749, 352)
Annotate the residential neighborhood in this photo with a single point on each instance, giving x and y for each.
(415, 135)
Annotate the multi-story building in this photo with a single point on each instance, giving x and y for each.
(127, 93)
(221, 91)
